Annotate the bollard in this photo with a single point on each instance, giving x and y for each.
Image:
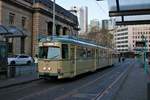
(12, 71)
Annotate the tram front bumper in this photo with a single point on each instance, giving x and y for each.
(48, 75)
(43, 74)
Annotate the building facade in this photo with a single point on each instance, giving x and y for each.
(127, 36)
(34, 17)
(108, 24)
(94, 23)
(82, 14)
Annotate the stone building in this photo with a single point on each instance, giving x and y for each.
(33, 18)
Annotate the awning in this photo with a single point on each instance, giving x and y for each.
(129, 12)
(12, 31)
(3, 30)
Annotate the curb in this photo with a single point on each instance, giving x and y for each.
(20, 83)
(123, 79)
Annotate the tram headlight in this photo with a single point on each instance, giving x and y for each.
(49, 68)
(44, 68)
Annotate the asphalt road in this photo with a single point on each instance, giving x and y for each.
(100, 85)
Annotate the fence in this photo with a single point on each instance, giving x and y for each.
(21, 70)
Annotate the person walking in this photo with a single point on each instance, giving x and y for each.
(36, 62)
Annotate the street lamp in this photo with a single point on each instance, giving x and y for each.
(54, 30)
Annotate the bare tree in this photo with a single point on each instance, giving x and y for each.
(101, 36)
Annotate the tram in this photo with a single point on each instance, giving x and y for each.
(67, 57)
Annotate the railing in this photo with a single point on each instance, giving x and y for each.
(22, 70)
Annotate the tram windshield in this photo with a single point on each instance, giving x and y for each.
(50, 52)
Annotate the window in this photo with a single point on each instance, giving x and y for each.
(53, 53)
(43, 52)
(64, 51)
(49, 28)
(10, 47)
(22, 48)
(83, 52)
(23, 21)
(103, 53)
(11, 18)
(50, 52)
(3, 51)
(23, 56)
(90, 53)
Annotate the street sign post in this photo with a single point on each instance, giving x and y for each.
(145, 62)
(142, 47)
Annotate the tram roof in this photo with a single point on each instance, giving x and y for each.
(73, 40)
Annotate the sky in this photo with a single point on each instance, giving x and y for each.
(96, 9)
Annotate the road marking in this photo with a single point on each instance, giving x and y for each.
(15, 90)
(106, 91)
(84, 95)
(74, 91)
(38, 93)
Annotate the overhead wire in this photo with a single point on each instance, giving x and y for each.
(101, 7)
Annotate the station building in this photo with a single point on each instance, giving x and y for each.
(23, 21)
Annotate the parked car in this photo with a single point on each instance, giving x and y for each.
(20, 59)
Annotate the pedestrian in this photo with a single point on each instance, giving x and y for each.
(123, 59)
(119, 59)
(36, 62)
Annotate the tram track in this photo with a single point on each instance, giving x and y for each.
(19, 84)
(75, 91)
(107, 90)
(59, 89)
(19, 87)
(62, 85)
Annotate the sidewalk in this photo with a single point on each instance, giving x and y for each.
(134, 86)
(18, 80)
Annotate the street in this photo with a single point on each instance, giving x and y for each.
(91, 86)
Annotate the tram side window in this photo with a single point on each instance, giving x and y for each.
(64, 51)
(101, 53)
(90, 53)
(81, 52)
(104, 53)
(43, 52)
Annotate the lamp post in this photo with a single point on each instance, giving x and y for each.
(54, 29)
(145, 62)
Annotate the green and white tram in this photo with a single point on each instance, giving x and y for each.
(64, 57)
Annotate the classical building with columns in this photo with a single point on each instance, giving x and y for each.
(30, 19)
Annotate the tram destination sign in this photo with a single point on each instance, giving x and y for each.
(50, 44)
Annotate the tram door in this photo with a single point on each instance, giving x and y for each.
(3, 59)
(73, 59)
